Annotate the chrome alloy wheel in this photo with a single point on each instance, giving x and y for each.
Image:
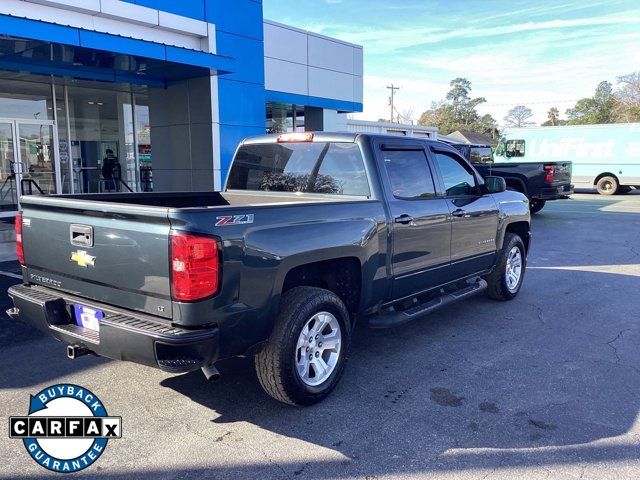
(513, 272)
(318, 349)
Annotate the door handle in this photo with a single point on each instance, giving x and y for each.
(459, 213)
(403, 219)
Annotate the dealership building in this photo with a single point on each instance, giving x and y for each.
(154, 95)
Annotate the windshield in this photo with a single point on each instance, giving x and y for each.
(327, 168)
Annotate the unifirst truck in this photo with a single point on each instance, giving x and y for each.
(605, 157)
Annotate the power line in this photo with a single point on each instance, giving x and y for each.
(526, 103)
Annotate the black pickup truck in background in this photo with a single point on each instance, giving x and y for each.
(312, 233)
(540, 182)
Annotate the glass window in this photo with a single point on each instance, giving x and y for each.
(515, 148)
(457, 179)
(330, 168)
(284, 118)
(25, 99)
(409, 174)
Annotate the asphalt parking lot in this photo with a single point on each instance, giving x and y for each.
(546, 386)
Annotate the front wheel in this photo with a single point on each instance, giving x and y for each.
(506, 279)
(607, 185)
(536, 205)
(306, 354)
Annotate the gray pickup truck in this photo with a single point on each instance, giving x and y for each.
(311, 233)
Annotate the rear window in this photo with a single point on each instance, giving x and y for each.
(481, 155)
(329, 168)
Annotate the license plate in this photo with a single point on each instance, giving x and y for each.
(88, 317)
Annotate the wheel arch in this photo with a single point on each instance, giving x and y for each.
(606, 174)
(342, 276)
(517, 184)
(523, 230)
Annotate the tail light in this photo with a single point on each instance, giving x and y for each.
(195, 267)
(19, 247)
(551, 170)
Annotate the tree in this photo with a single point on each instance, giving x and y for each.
(627, 108)
(554, 118)
(458, 111)
(601, 108)
(519, 117)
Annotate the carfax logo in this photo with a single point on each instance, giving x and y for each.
(67, 428)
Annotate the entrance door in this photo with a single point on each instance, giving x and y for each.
(9, 193)
(29, 162)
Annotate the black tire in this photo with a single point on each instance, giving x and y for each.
(276, 365)
(608, 185)
(536, 205)
(497, 280)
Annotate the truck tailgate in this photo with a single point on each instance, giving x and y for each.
(562, 172)
(116, 254)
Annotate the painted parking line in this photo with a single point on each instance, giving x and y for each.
(10, 274)
(595, 213)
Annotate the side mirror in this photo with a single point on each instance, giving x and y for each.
(495, 184)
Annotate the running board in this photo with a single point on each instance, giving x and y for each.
(395, 319)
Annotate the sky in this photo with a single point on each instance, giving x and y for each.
(535, 53)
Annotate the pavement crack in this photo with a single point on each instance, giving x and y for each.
(611, 344)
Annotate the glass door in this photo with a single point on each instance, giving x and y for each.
(37, 158)
(28, 161)
(8, 187)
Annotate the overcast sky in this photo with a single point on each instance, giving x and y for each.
(537, 53)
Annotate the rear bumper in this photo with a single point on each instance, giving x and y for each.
(123, 335)
(555, 193)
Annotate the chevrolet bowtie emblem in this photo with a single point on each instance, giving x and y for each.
(83, 259)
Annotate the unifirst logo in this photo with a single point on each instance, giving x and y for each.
(572, 147)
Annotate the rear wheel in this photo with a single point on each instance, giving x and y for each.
(306, 354)
(536, 205)
(607, 185)
(506, 279)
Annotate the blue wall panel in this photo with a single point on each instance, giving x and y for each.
(248, 54)
(241, 95)
(231, 136)
(241, 103)
(242, 17)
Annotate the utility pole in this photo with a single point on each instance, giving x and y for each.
(393, 89)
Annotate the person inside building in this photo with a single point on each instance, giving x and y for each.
(110, 171)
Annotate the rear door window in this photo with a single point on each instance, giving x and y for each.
(409, 174)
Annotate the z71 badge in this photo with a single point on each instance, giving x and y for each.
(228, 220)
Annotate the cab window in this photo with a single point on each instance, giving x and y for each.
(458, 179)
(409, 174)
(515, 148)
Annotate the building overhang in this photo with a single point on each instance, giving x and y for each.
(47, 48)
